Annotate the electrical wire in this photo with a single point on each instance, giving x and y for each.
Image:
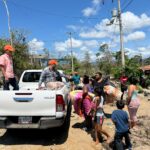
(127, 5)
(52, 14)
(124, 3)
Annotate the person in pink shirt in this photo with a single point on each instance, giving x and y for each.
(123, 81)
(6, 65)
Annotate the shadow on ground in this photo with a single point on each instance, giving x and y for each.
(79, 125)
(38, 137)
(108, 116)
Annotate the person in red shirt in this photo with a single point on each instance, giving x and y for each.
(6, 65)
(123, 81)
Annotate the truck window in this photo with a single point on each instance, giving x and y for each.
(31, 77)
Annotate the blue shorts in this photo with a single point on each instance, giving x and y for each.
(99, 119)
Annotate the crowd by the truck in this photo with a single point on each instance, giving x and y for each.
(88, 96)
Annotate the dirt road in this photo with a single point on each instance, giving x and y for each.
(75, 138)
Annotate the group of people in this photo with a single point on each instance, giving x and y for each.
(49, 74)
(89, 101)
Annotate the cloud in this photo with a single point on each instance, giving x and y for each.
(75, 43)
(35, 45)
(90, 11)
(102, 26)
(131, 23)
(60, 46)
(138, 35)
(78, 45)
(131, 52)
(73, 27)
(100, 30)
(133, 29)
(91, 43)
(84, 49)
(93, 34)
(144, 51)
(82, 54)
(96, 2)
(64, 46)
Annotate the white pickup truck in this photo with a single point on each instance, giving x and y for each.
(32, 108)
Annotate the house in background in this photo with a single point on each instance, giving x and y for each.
(146, 69)
(40, 59)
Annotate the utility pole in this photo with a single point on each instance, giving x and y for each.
(141, 60)
(8, 16)
(72, 61)
(121, 35)
(117, 14)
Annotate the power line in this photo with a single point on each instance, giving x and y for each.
(126, 6)
(124, 3)
(52, 14)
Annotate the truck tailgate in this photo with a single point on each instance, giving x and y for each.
(28, 103)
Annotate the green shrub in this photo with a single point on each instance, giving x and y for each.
(147, 82)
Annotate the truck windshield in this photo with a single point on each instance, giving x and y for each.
(31, 77)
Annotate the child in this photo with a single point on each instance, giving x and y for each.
(120, 119)
(86, 106)
(99, 116)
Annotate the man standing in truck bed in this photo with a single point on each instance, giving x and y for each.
(50, 74)
(6, 65)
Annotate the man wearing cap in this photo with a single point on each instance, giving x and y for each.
(6, 65)
(50, 74)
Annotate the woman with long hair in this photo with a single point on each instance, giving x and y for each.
(133, 100)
